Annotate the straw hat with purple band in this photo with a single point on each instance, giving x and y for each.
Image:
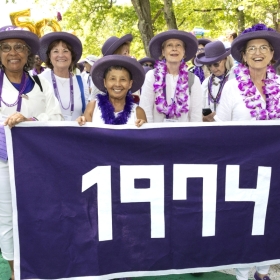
(90, 59)
(112, 44)
(146, 59)
(71, 39)
(213, 52)
(258, 31)
(131, 64)
(189, 39)
(15, 32)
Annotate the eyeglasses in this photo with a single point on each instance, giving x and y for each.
(148, 64)
(200, 50)
(263, 49)
(17, 47)
(216, 64)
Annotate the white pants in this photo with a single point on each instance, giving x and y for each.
(6, 222)
(242, 273)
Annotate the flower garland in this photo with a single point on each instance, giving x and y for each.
(198, 71)
(107, 109)
(180, 102)
(252, 97)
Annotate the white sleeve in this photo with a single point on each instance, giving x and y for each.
(52, 109)
(147, 98)
(195, 107)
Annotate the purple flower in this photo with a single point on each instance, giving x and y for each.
(257, 27)
(58, 16)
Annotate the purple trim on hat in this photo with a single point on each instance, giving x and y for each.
(131, 64)
(10, 27)
(258, 27)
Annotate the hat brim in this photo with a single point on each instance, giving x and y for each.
(28, 37)
(131, 64)
(203, 41)
(71, 39)
(190, 41)
(118, 43)
(146, 59)
(240, 41)
(202, 59)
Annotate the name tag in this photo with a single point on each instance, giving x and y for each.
(67, 118)
(170, 120)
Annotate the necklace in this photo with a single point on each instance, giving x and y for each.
(252, 97)
(180, 102)
(222, 82)
(107, 110)
(56, 92)
(22, 87)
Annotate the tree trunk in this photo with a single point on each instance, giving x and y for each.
(143, 11)
(169, 15)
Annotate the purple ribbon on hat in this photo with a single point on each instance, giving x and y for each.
(10, 28)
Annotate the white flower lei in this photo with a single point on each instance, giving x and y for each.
(252, 97)
(180, 102)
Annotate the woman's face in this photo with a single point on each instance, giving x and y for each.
(117, 83)
(60, 56)
(258, 54)
(218, 68)
(173, 50)
(13, 60)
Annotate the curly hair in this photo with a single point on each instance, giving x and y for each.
(48, 63)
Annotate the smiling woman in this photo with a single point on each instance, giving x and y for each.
(61, 51)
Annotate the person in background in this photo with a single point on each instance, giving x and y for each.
(22, 98)
(200, 70)
(166, 93)
(219, 62)
(61, 51)
(37, 66)
(230, 36)
(254, 94)
(89, 61)
(147, 61)
(116, 77)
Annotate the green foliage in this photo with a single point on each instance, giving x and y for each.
(94, 21)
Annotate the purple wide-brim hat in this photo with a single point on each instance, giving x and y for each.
(131, 64)
(113, 43)
(271, 35)
(203, 41)
(190, 41)
(15, 32)
(146, 59)
(71, 39)
(213, 52)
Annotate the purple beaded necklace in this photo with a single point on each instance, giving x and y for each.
(22, 87)
(107, 109)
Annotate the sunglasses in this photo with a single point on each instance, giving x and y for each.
(148, 64)
(216, 64)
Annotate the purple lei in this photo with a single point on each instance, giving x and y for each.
(180, 102)
(198, 71)
(107, 110)
(252, 97)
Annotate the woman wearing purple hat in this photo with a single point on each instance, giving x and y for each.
(166, 94)
(61, 51)
(200, 70)
(116, 77)
(219, 63)
(22, 98)
(255, 92)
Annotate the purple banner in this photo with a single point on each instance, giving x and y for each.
(131, 202)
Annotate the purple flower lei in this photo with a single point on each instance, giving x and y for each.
(107, 110)
(180, 103)
(252, 97)
(198, 71)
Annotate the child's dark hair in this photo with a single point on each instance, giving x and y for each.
(116, 67)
